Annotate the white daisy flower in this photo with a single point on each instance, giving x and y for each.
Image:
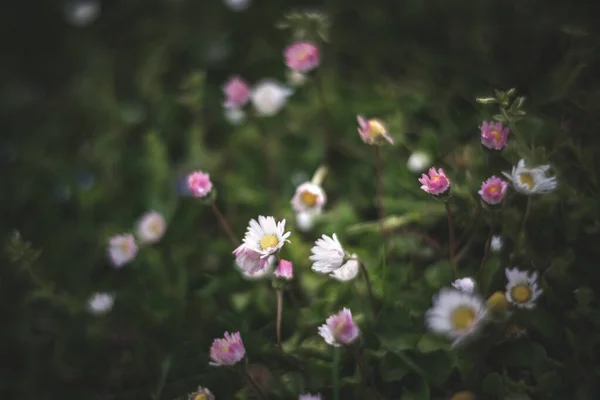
(531, 181)
(122, 249)
(201, 394)
(464, 284)
(522, 288)
(151, 227)
(101, 303)
(305, 221)
(268, 97)
(455, 314)
(418, 161)
(308, 197)
(266, 236)
(327, 254)
(496, 243)
(348, 271)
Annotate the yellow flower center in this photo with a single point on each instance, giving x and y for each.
(497, 302)
(462, 318)
(526, 179)
(308, 198)
(521, 293)
(493, 189)
(155, 227)
(125, 247)
(201, 396)
(496, 135)
(435, 178)
(303, 55)
(376, 128)
(268, 241)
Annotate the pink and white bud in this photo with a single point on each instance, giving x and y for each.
(122, 249)
(340, 329)
(371, 131)
(199, 184)
(228, 350)
(493, 135)
(436, 183)
(237, 92)
(284, 270)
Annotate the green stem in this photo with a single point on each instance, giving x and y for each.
(486, 254)
(224, 224)
(257, 388)
(380, 209)
(366, 376)
(521, 233)
(279, 314)
(335, 374)
(451, 234)
(365, 273)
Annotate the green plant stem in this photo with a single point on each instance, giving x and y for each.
(365, 273)
(451, 234)
(380, 209)
(224, 224)
(257, 388)
(521, 234)
(366, 376)
(279, 315)
(513, 128)
(486, 254)
(335, 373)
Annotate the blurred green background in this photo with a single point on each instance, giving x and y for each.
(102, 119)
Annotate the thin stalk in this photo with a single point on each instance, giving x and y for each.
(257, 388)
(380, 209)
(451, 234)
(279, 314)
(335, 373)
(521, 234)
(486, 254)
(319, 175)
(365, 273)
(224, 224)
(366, 376)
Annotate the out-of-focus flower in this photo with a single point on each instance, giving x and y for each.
(309, 396)
(284, 270)
(464, 285)
(327, 254)
(151, 227)
(522, 288)
(493, 190)
(493, 135)
(497, 303)
(305, 221)
(266, 236)
(418, 161)
(235, 116)
(248, 260)
(464, 395)
(264, 272)
(201, 394)
(340, 329)
(455, 314)
(496, 243)
(237, 5)
(302, 56)
(122, 249)
(269, 97)
(101, 303)
(372, 131)
(228, 350)
(199, 184)
(436, 183)
(531, 181)
(309, 197)
(348, 271)
(237, 92)
(296, 78)
(81, 13)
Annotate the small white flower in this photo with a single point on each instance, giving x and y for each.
(101, 303)
(419, 161)
(531, 181)
(151, 227)
(464, 285)
(201, 394)
(455, 314)
(305, 221)
(496, 243)
(348, 271)
(266, 236)
(269, 97)
(237, 5)
(308, 396)
(522, 288)
(235, 116)
(296, 78)
(308, 197)
(327, 254)
(81, 13)
(122, 249)
(261, 273)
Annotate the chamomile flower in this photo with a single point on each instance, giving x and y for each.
(327, 254)
(522, 288)
(530, 181)
(455, 314)
(122, 249)
(151, 227)
(201, 394)
(308, 197)
(266, 236)
(348, 271)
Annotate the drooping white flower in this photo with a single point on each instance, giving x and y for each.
(266, 236)
(464, 285)
(348, 271)
(151, 227)
(455, 314)
(308, 197)
(122, 249)
(419, 161)
(305, 221)
(268, 97)
(530, 181)
(496, 243)
(101, 303)
(327, 254)
(522, 288)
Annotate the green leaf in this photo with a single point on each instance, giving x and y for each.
(419, 392)
(430, 342)
(492, 385)
(392, 368)
(397, 343)
(439, 275)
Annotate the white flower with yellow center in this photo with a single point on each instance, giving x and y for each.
(348, 271)
(327, 254)
(122, 249)
(308, 197)
(151, 227)
(455, 314)
(266, 236)
(530, 181)
(522, 288)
